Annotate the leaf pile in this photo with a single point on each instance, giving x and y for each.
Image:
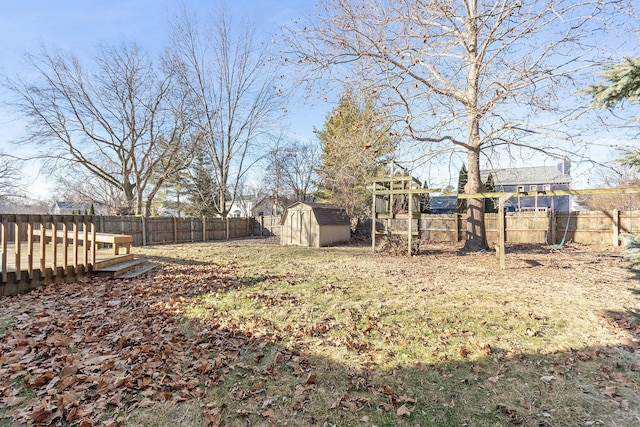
(80, 352)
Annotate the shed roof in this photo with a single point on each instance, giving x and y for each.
(325, 213)
(526, 175)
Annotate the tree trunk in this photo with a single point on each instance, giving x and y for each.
(476, 236)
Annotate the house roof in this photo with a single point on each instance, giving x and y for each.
(325, 213)
(526, 176)
(81, 206)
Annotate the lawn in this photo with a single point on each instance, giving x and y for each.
(250, 333)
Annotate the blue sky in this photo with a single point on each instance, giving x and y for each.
(79, 26)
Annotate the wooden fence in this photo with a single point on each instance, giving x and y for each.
(266, 226)
(162, 230)
(589, 228)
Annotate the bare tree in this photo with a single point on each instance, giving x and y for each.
(121, 120)
(480, 76)
(228, 78)
(290, 171)
(614, 176)
(77, 185)
(10, 179)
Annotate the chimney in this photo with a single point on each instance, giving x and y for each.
(564, 167)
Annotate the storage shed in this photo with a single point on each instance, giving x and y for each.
(314, 225)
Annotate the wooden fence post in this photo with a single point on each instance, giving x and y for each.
(616, 227)
(75, 244)
(43, 241)
(204, 228)
(175, 229)
(3, 237)
(18, 246)
(54, 244)
(30, 247)
(85, 239)
(94, 244)
(65, 245)
(144, 231)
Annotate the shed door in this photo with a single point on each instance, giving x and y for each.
(305, 229)
(294, 219)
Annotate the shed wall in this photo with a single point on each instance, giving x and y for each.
(332, 234)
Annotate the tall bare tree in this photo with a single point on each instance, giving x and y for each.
(479, 76)
(227, 75)
(119, 120)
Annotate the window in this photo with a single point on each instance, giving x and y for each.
(547, 187)
(520, 189)
(533, 188)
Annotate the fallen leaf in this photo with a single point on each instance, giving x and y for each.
(403, 411)
(13, 401)
(494, 379)
(213, 415)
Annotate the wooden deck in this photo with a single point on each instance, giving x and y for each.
(45, 270)
(102, 255)
(37, 249)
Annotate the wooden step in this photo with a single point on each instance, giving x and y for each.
(111, 261)
(125, 269)
(144, 269)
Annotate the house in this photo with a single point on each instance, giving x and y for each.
(258, 205)
(532, 179)
(242, 206)
(69, 208)
(314, 225)
(442, 204)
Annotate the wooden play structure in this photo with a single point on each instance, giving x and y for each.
(396, 196)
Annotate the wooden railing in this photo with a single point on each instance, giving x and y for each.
(30, 255)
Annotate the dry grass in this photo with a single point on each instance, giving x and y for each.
(341, 336)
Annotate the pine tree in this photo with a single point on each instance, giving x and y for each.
(463, 177)
(490, 205)
(202, 191)
(355, 142)
(623, 85)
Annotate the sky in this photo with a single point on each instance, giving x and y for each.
(79, 26)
